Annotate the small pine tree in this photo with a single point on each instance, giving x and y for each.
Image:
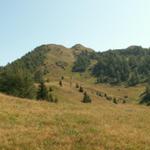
(77, 85)
(60, 83)
(86, 98)
(81, 89)
(62, 78)
(105, 95)
(42, 93)
(115, 101)
(146, 95)
(124, 101)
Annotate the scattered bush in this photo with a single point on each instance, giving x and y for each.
(51, 98)
(81, 89)
(115, 101)
(109, 98)
(105, 95)
(77, 85)
(60, 83)
(124, 101)
(125, 96)
(146, 95)
(50, 89)
(42, 93)
(86, 98)
(148, 104)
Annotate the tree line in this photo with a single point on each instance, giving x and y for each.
(129, 66)
(18, 81)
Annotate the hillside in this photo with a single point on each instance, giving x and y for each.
(72, 125)
(113, 121)
(121, 67)
(128, 66)
(51, 59)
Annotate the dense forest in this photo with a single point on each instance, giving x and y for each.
(130, 66)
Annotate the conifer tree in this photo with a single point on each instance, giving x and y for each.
(77, 85)
(115, 101)
(124, 101)
(17, 81)
(146, 95)
(42, 93)
(81, 89)
(60, 83)
(86, 98)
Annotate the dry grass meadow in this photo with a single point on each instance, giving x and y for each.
(72, 125)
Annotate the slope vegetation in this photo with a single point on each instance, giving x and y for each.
(71, 125)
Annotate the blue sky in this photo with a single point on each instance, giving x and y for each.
(99, 24)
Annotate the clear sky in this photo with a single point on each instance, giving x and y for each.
(99, 24)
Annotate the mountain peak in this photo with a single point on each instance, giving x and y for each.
(134, 47)
(80, 48)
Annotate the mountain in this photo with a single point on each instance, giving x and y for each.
(78, 48)
(51, 59)
(113, 115)
(113, 66)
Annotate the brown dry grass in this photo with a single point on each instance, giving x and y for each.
(71, 125)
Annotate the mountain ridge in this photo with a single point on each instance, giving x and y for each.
(58, 60)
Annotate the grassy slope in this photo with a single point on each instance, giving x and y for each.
(71, 125)
(56, 55)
